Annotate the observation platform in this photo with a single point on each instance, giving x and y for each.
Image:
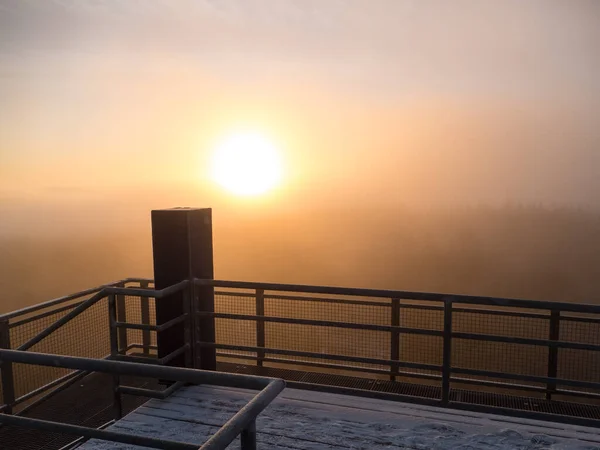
(299, 419)
(364, 368)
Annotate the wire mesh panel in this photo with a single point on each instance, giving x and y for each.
(503, 357)
(356, 310)
(575, 364)
(416, 348)
(85, 335)
(233, 331)
(329, 340)
(506, 357)
(478, 321)
(140, 311)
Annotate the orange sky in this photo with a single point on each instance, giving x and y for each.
(371, 103)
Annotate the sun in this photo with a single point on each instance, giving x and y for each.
(246, 164)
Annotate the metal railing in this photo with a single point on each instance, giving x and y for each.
(242, 423)
(452, 342)
(61, 325)
(549, 349)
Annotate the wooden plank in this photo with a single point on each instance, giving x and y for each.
(378, 411)
(192, 432)
(310, 420)
(327, 401)
(316, 404)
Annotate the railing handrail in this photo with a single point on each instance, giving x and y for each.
(99, 295)
(551, 313)
(142, 292)
(269, 389)
(67, 298)
(408, 295)
(448, 304)
(113, 288)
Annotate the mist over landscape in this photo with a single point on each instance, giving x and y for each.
(511, 251)
(427, 146)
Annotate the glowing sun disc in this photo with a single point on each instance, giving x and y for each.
(246, 164)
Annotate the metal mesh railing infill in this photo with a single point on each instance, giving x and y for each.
(454, 344)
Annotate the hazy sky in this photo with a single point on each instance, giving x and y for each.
(371, 102)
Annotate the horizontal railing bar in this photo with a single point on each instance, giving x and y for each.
(533, 378)
(579, 319)
(136, 326)
(362, 292)
(142, 346)
(151, 393)
(116, 367)
(571, 393)
(234, 426)
(524, 341)
(76, 442)
(277, 351)
(472, 381)
(174, 354)
(341, 301)
(54, 302)
(236, 294)
(294, 362)
(487, 311)
(45, 314)
(135, 359)
(499, 312)
(499, 384)
(63, 320)
(528, 304)
(58, 381)
(172, 322)
(139, 292)
(322, 323)
(421, 307)
(106, 435)
(135, 280)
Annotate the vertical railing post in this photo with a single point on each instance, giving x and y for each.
(553, 335)
(196, 336)
(114, 351)
(8, 381)
(260, 326)
(395, 338)
(188, 324)
(447, 354)
(145, 312)
(122, 317)
(248, 437)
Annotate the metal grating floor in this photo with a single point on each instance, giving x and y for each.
(485, 399)
(541, 405)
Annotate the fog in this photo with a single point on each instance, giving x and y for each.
(511, 251)
(428, 146)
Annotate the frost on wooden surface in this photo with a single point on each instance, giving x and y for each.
(310, 420)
